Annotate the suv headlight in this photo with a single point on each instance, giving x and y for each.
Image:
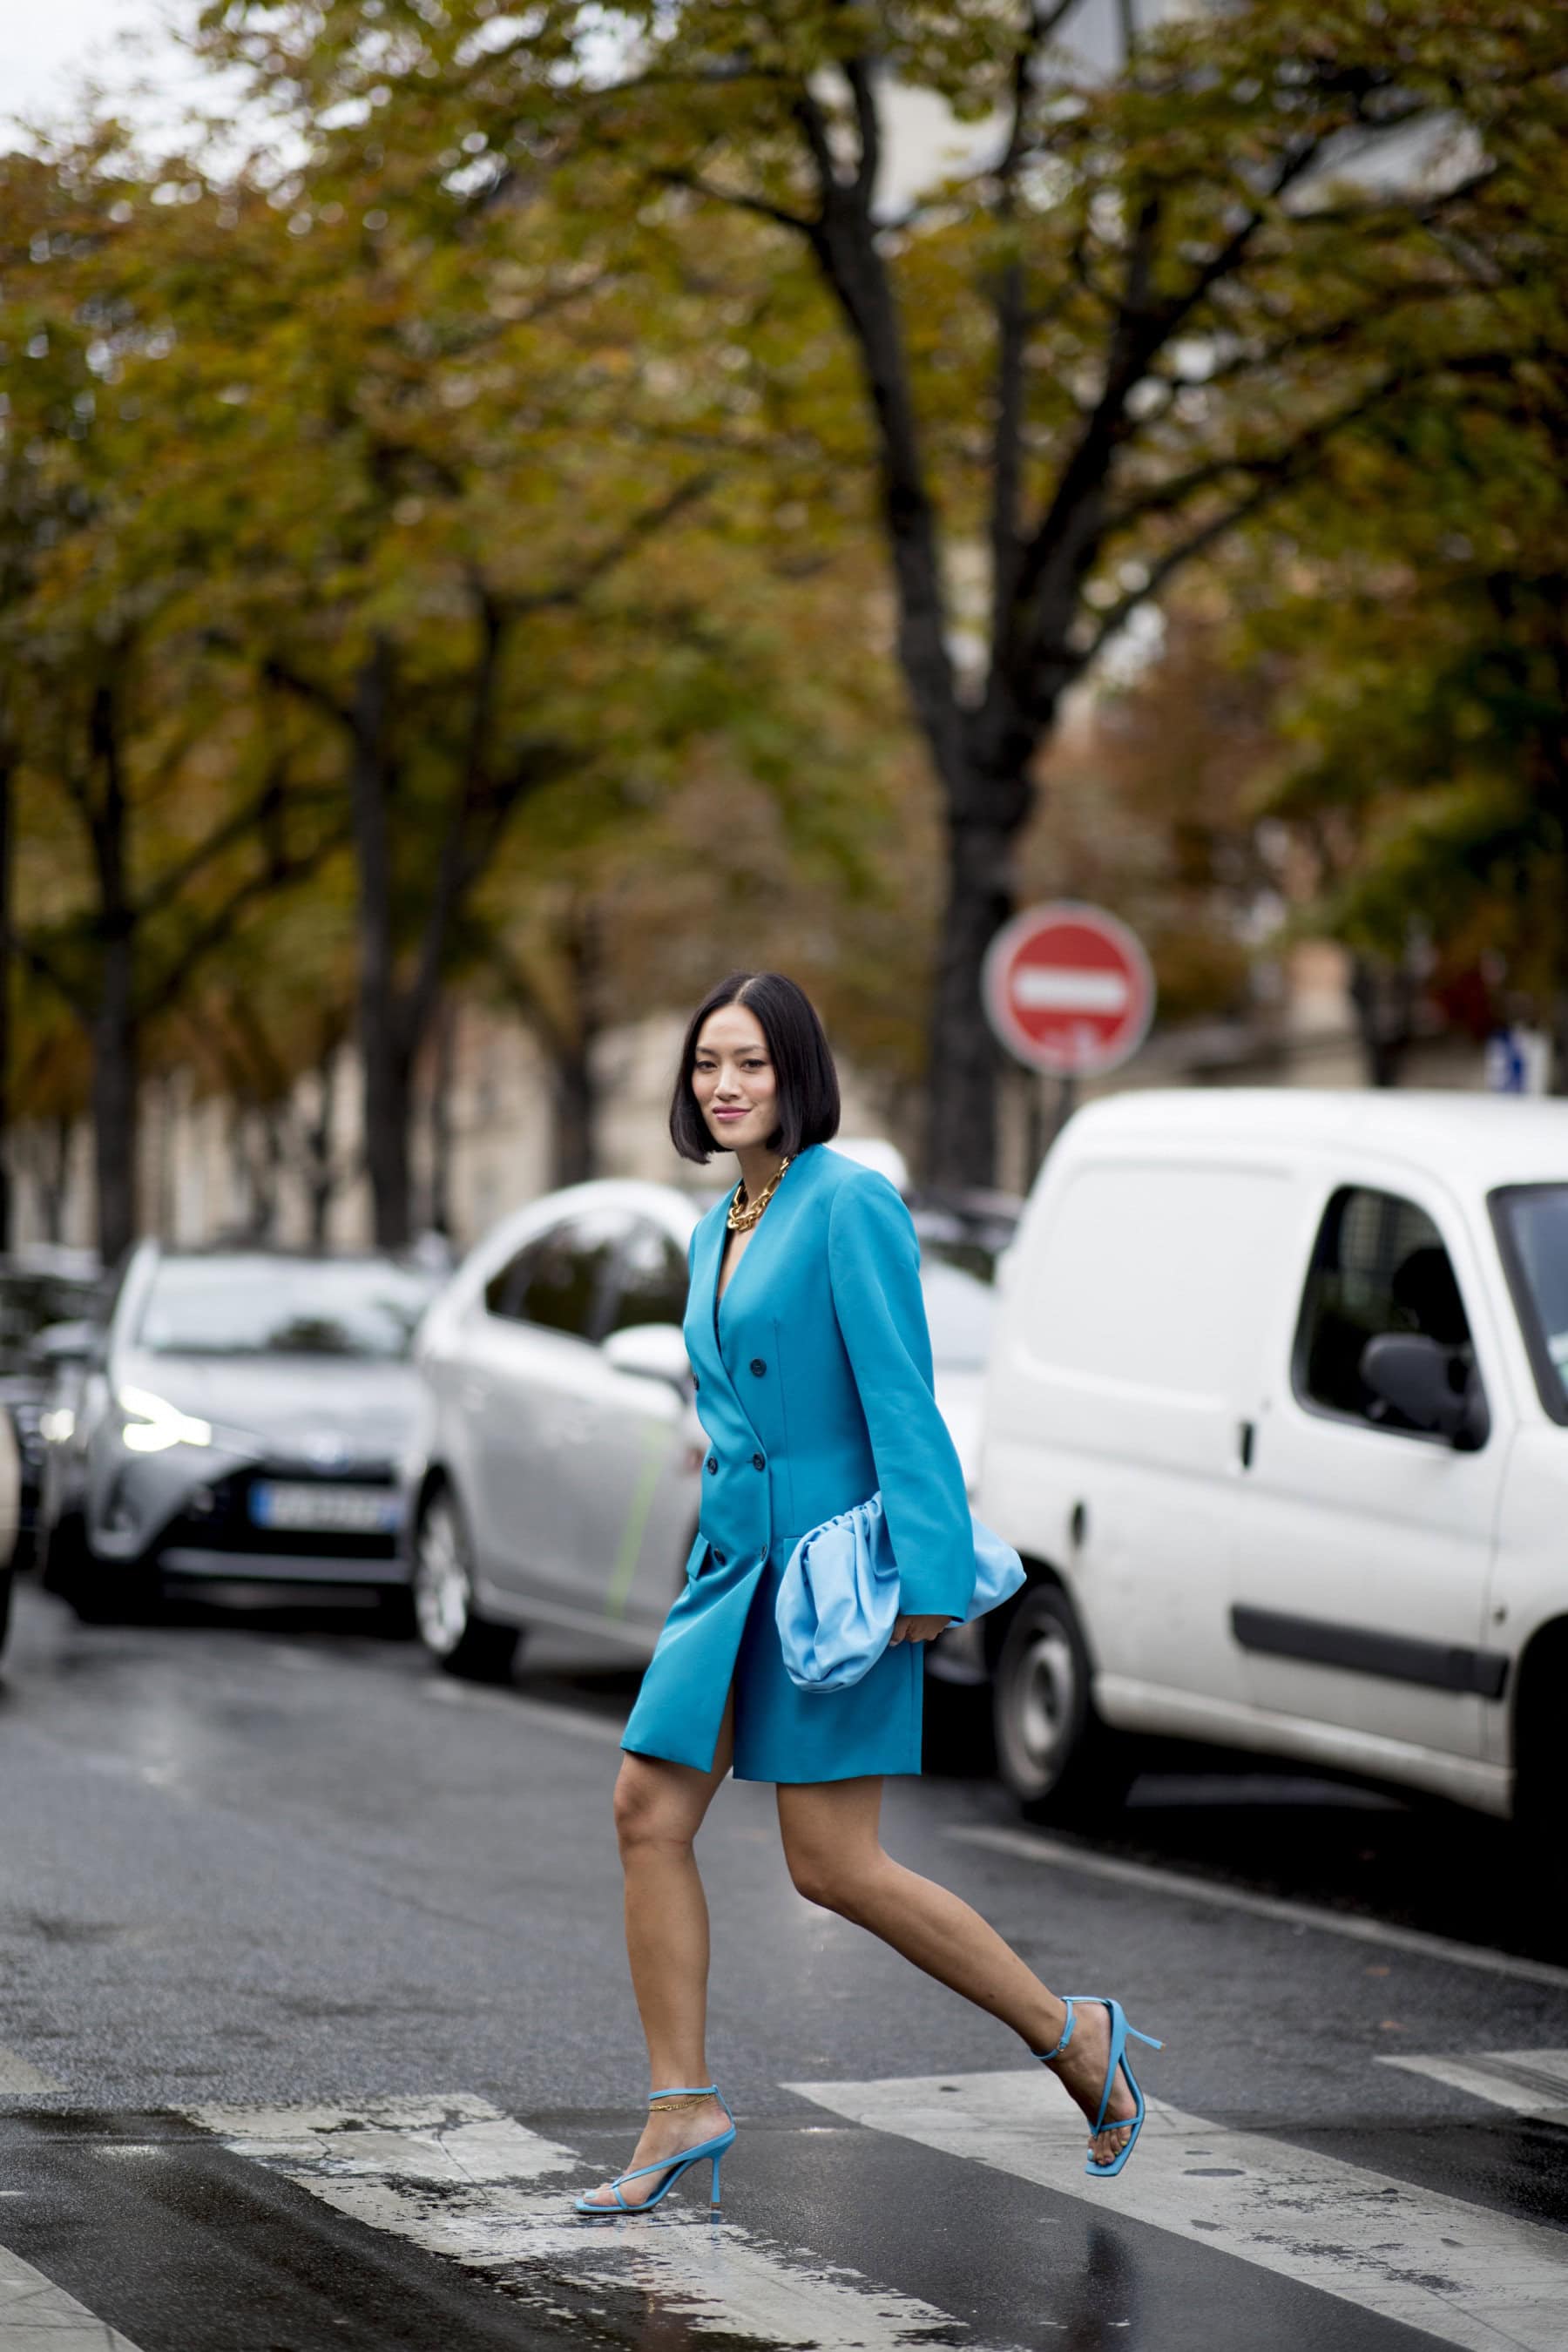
(152, 1424)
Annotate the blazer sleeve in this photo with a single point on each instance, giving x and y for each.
(874, 1260)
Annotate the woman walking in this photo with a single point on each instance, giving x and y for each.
(806, 1332)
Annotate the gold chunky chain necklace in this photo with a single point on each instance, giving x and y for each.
(742, 1218)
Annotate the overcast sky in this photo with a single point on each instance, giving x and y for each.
(46, 45)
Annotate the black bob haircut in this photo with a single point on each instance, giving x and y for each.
(797, 1047)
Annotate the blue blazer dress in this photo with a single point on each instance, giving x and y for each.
(814, 1385)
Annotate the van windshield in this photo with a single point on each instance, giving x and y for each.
(1531, 1223)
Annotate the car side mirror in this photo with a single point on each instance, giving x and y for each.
(1412, 1371)
(61, 1344)
(654, 1351)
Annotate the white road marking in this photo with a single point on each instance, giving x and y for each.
(1526, 2081)
(1033, 1847)
(1469, 2277)
(35, 2315)
(454, 2176)
(17, 2076)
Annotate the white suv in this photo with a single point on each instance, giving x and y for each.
(1278, 1416)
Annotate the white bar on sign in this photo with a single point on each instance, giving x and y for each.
(1037, 987)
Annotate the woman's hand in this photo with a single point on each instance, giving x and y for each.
(920, 1629)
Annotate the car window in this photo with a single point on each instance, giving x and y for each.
(560, 1279)
(1531, 1223)
(650, 1279)
(1379, 1266)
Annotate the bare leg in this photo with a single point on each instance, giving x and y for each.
(831, 1839)
(659, 1808)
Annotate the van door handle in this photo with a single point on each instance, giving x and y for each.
(1245, 1434)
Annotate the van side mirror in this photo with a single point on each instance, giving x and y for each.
(656, 1351)
(1412, 1371)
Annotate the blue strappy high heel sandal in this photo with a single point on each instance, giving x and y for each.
(711, 2151)
(1121, 2034)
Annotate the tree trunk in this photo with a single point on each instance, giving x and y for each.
(443, 1072)
(383, 1052)
(1382, 998)
(114, 1026)
(321, 1176)
(965, 1058)
(572, 1071)
(114, 1096)
(5, 953)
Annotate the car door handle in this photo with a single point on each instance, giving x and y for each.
(1245, 1438)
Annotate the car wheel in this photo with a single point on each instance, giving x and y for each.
(98, 1591)
(1052, 1751)
(450, 1626)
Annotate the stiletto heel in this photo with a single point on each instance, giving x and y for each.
(672, 2167)
(1121, 2034)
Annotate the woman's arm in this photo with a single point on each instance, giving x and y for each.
(874, 1263)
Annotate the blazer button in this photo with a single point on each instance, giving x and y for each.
(713, 1461)
(759, 1366)
(759, 1462)
(719, 1560)
(695, 1382)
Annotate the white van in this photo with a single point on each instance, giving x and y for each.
(1278, 1416)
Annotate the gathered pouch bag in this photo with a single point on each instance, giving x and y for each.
(838, 1599)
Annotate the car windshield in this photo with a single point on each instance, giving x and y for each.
(250, 1304)
(1532, 1226)
(960, 1309)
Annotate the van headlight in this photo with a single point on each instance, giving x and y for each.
(152, 1424)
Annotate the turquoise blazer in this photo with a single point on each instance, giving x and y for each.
(814, 1388)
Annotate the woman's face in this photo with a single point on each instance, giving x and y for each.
(733, 1080)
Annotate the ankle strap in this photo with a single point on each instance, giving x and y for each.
(1045, 2056)
(688, 2091)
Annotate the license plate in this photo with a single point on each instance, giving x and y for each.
(325, 1510)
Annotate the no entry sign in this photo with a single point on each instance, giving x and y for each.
(1069, 990)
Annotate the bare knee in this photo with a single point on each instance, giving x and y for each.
(650, 1814)
(833, 1881)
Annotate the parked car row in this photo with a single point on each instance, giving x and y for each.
(1271, 1393)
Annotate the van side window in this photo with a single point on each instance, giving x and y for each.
(1379, 1266)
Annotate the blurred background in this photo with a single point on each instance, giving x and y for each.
(507, 515)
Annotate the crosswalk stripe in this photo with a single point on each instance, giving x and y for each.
(18, 2078)
(1526, 2081)
(457, 2176)
(35, 2315)
(1477, 2279)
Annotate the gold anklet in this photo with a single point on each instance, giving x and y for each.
(670, 2106)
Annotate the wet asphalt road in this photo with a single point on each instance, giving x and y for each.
(313, 2014)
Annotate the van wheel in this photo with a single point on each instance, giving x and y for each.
(1052, 1751)
(1540, 1750)
(461, 1641)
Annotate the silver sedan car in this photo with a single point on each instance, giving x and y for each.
(553, 1475)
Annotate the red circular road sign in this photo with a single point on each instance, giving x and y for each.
(1069, 990)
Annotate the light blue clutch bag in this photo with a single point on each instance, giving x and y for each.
(839, 1598)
